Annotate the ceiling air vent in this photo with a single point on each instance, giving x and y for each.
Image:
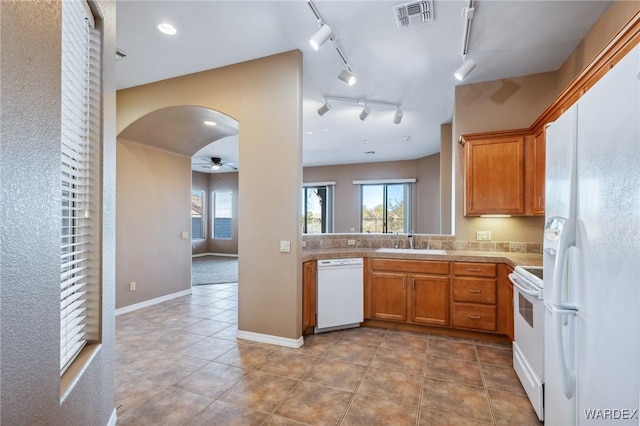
(414, 13)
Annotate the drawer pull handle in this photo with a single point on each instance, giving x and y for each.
(474, 290)
(474, 269)
(474, 317)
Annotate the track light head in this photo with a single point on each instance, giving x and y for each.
(347, 77)
(365, 112)
(464, 70)
(398, 117)
(320, 37)
(324, 108)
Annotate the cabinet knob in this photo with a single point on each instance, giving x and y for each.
(474, 317)
(474, 290)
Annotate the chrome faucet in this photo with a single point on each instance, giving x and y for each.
(410, 236)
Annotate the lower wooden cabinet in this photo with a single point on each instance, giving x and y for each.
(429, 300)
(308, 296)
(474, 296)
(416, 295)
(389, 296)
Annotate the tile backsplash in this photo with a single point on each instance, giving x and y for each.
(438, 242)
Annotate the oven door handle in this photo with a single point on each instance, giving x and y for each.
(534, 293)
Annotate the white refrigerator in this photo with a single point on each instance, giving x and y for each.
(592, 255)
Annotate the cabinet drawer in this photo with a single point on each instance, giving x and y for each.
(474, 269)
(410, 266)
(474, 290)
(479, 317)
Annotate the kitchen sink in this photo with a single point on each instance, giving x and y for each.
(415, 251)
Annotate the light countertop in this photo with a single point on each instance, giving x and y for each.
(510, 258)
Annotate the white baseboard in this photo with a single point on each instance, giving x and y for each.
(152, 302)
(214, 254)
(274, 340)
(113, 419)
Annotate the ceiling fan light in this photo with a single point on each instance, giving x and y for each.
(365, 112)
(347, 77)
(464, 70)
(320, 37)
(398, 117)
(215, 166)
(324, 109)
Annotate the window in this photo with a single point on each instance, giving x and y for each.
(197, 222)
(222, 215)
(386, 207)
(317, 208)
(80, 184)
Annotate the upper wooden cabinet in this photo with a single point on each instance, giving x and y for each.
(504, 172)
(494, 174)
(535, 150)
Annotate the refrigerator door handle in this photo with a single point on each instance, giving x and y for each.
(568, 374)
(567, 240)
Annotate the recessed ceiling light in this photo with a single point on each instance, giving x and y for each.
(167, 28)
(369, 152)
(210, 123)
(367, 141)
(325, 130)
(407, 138)
(309, 132)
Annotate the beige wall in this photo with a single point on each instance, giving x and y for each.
(427, 211)
(446, 178)
(498, 105)
(609, 24)
(153, 199)
(347, 195)
(265, 97)
(30, 215)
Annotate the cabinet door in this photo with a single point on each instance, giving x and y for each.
(494, 181)
(389, 296)
(429, 303)
(309, 294)
(538, 172)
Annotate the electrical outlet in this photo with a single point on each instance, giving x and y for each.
(304, 244)
(132, 286)
(285, 246)
(483, 235)
(351, 242)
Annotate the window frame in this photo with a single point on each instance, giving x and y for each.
(407, 200)
(203, 219)
(214, 216)
(327, 207)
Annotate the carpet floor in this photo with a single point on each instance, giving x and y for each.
(214, 270)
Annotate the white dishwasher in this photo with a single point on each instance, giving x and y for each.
(340, 298)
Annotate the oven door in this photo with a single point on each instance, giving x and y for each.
(528, 349)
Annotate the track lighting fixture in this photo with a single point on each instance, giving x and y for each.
(324, 34)
(397, 118)
(320, 37)
(464, 70)
(324, 108)
(365, 112)
(347, 77)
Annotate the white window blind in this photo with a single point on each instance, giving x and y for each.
(80, 104)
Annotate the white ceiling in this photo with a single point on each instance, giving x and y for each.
(412, 67)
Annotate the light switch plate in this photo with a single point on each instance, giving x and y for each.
(351, 242)
(184, 235)
(285, 246)
(483, 235)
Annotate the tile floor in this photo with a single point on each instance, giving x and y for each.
(179, 362)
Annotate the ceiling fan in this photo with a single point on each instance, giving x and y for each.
(215, 163)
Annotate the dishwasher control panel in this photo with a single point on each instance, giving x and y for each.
(340, 262)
